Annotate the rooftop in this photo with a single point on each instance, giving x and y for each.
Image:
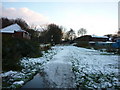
(11, 29)
(99, 36)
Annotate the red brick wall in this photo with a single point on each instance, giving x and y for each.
(18, 34)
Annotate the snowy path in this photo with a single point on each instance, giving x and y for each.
(59, 70)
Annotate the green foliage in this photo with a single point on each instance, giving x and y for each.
(13, 49)
(34, 34)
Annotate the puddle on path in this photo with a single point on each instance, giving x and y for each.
(55, 75)
(36, 82)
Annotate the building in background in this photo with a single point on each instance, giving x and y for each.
(93, 38)
(15, 30)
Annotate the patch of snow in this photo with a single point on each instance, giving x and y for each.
(19, 82)
(8, 73)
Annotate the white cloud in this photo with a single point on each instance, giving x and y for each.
(28, 15)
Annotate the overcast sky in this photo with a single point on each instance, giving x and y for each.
(97, 18)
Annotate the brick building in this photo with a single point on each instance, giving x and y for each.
(15, 31)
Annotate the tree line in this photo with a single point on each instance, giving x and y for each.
(50, 33)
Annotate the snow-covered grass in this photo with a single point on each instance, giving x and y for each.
(68, 67)
(91, 68)
(31, 66)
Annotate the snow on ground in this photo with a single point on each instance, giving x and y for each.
(70, 66)
(18, 82)
(31, 67)
(94, 70)
(89, 68)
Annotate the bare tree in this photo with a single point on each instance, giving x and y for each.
(82, 32)
(71, 34)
